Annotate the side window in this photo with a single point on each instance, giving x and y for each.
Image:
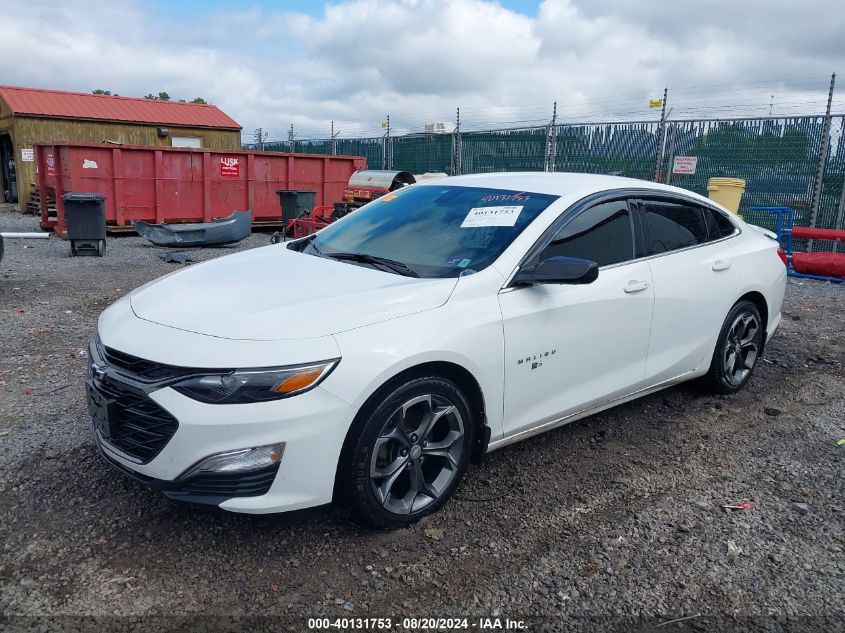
(718, 224)
(601, 234)
(670, 226)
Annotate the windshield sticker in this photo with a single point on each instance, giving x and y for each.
(491, 216)
(464, 263)
(519, 196)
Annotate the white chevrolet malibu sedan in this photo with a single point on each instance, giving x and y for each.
(370, 363)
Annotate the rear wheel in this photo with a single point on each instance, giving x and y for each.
(409, 455)
(737, 350)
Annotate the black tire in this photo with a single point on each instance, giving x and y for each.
(73, 250)
(375, 448)
(101, 248)
(738, 348)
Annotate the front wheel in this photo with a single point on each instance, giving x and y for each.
(737, 350)
(409, 454)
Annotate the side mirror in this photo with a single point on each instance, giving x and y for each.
(559, 270)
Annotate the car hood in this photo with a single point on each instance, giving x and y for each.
(273, 293)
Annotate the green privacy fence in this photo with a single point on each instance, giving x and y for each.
(792, 161)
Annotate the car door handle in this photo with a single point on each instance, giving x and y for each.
(721, 264)
(635, 286)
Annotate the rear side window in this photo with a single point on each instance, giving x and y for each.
(602, 234)
(670, 226)
(718, 225)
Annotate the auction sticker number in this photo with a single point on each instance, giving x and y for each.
(491, 216)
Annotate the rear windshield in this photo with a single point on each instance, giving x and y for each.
(436, 231)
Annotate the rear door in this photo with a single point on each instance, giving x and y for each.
(568, 347)
(695, 282)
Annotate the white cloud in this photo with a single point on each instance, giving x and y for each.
(419, 59)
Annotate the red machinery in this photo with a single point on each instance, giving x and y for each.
(368, 184)
(364, 186)
(822, 266)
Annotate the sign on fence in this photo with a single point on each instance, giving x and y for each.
(684, 164)
(27, 155)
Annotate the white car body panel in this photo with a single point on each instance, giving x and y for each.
(593, 338)
(690, 296)
(272, 307)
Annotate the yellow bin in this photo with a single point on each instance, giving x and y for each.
(726, 191)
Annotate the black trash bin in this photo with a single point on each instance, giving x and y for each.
(85, 217)
(295, 202)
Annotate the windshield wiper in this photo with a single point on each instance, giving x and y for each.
(364, 258)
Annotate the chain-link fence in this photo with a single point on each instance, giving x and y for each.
(791, 161)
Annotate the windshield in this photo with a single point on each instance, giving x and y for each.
(435, 231)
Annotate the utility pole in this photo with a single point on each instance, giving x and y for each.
(820, 167)
(291, 136)
(661, 132)
(259, 136)
(551, 142)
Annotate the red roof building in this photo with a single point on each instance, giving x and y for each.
(34, 115)
(83, 106)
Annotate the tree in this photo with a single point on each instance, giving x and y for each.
(199, 100)
(163, 96)
(100, 91)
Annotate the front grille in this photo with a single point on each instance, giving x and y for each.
(238, 484)
(144, 370)
(140, 427)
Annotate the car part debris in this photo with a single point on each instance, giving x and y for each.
(176, 258)
(218, 232)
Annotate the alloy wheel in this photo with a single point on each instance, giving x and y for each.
(417, 454)
(741, 348)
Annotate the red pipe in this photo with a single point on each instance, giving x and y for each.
(807, 233)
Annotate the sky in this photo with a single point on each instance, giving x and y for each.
(504, 63)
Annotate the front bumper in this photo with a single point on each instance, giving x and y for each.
(311, 425)
(207, 489)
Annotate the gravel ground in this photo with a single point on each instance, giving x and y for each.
(615, 522)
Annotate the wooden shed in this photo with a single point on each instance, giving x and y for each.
(32, 115)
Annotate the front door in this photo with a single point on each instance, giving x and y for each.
(570, 347)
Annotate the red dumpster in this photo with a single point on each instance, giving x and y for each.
(162, 184)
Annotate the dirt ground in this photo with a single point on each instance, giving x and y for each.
(616, 522)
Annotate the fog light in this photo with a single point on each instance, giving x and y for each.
(238, 461)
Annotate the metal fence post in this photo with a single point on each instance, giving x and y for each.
(820, 167)
(334, 140)
(551, 142)
(456, 145)
(658, 158)
(670, 164)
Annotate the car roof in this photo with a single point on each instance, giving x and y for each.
(564, 184)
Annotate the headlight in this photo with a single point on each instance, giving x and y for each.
(255, 385)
